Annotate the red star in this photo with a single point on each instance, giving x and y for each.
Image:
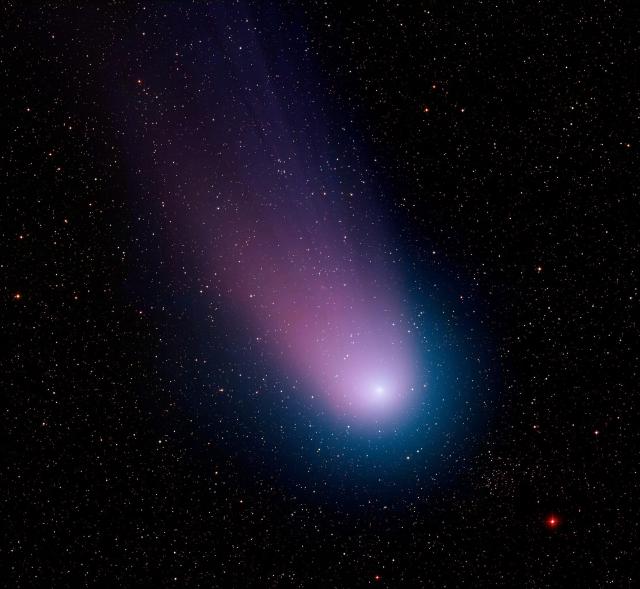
(552, 521)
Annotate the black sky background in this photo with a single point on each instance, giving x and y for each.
(507, 137)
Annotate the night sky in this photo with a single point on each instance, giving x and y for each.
(316, 294)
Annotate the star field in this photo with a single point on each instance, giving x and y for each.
(320, 295)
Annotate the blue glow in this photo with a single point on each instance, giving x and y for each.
(256, 187)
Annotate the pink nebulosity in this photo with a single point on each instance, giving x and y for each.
(330, 314)
(281, 221)
(308, 269)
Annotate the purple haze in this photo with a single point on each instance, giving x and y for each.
(278, 209)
